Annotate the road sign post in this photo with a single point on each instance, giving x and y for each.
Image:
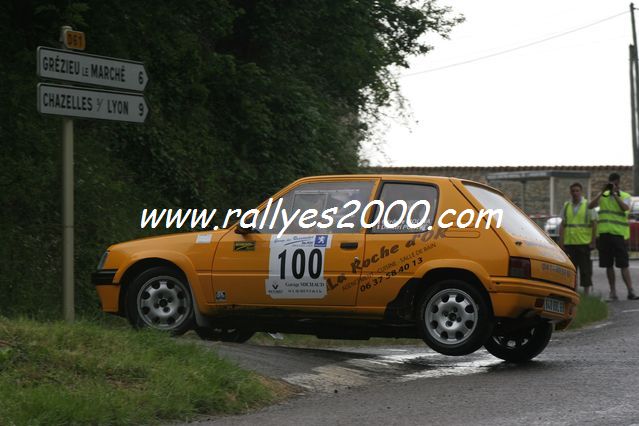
(68, 270)
(67, 220)
(83, 102)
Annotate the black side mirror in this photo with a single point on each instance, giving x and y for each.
(244, 231)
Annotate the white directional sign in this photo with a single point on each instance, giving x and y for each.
(83, 68)
(72, 101)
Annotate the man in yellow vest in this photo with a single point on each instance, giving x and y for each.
(613, 230)
(577, 234)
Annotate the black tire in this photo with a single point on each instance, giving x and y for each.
(521, 346)
(454, 317)
(160, 298)
(224, 334)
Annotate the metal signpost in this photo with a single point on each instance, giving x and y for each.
(84, 102)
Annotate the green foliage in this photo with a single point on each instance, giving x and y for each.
(60, 374)
(245, 97)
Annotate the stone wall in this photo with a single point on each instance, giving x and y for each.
(537, 192)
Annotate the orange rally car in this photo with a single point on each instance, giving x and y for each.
(500, 283)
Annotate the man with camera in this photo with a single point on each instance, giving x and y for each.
(613, 230)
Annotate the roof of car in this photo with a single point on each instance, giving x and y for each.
(400, 178)
(382, 176)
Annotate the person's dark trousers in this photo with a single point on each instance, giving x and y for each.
(580, 256)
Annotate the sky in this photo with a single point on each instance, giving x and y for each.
(565, 101)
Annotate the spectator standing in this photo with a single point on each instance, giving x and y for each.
(577, 234)
(613, 230)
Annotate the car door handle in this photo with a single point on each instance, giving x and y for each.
(348, 246)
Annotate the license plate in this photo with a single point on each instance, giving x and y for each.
(554, 305)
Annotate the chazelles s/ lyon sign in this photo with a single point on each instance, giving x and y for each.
(72, 101)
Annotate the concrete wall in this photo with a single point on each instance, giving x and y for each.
(537, 200)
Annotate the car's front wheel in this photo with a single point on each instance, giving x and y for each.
(454, 317)
(160, 298)
(520, 346)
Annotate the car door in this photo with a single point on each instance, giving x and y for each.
(393, 253)
(301, 266)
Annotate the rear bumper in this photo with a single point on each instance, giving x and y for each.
(516, 298)
(108, 292)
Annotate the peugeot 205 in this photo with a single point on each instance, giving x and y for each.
(451, 274)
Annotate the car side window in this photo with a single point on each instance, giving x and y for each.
(409, 208)
(327, 199)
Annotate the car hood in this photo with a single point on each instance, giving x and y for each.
(171, 241)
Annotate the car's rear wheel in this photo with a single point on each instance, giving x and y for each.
(520, 346)
(236, 335)
(160, 298)
(454, 317)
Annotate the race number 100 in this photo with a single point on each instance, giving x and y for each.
(300, 262)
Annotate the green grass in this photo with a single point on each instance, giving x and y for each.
(59, 374)
(104, 373)
(591, 309)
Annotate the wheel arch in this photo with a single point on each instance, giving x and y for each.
(405, 305)
(440, 274)
(180, 264)
(135, 269)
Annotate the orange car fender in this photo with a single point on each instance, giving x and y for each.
(180, 260)
(461, 264)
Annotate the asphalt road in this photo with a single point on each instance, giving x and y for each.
(585, 377)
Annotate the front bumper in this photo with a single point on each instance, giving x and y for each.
(108, 292)
(516, 298)
(103, 276)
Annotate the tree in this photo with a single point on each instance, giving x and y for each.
(245, 96)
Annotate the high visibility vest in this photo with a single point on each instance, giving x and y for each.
(612, 219)
(577, 227)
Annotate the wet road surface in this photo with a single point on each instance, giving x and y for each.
(584, 377)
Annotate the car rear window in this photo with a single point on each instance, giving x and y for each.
(514, 221)
(411, 194)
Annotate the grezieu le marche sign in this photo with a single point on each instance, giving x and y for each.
(75, 67)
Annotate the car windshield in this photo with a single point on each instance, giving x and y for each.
(514, 221)
(321, 196)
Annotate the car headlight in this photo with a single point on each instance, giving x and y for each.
(103, 260)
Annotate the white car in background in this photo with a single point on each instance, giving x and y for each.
(551, 227)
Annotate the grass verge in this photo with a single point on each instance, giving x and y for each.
(591, 309)
(58, 374)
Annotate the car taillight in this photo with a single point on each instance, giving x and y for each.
(519, 267)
